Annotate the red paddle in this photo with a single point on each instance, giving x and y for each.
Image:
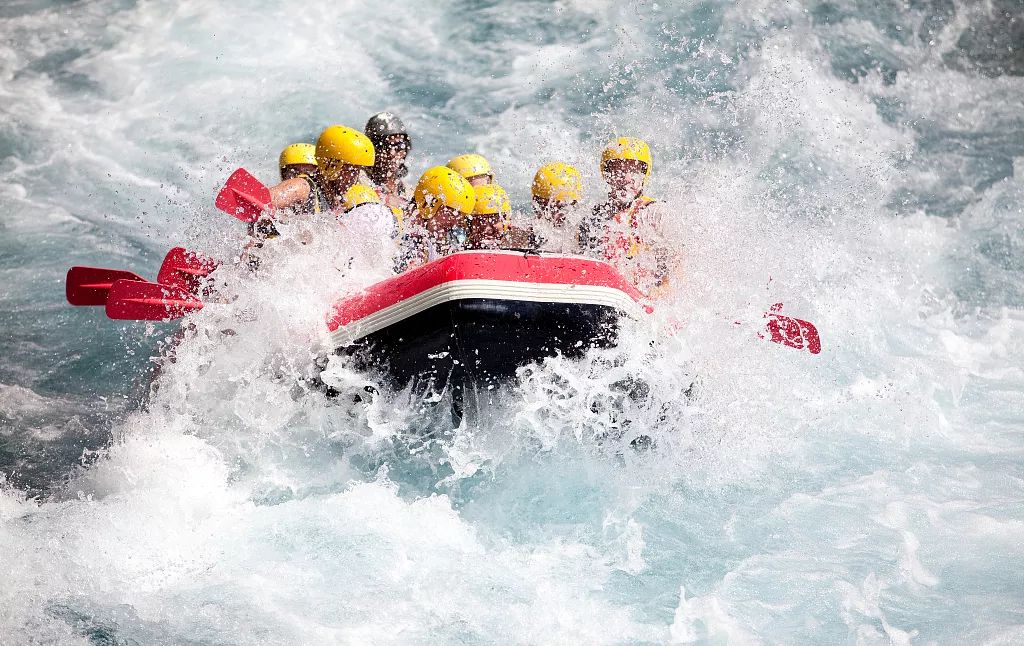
(791, 332)
(91, 285)
(135, 301)
(243, 196)
(185, 269)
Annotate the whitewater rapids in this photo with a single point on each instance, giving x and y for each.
(861, 162)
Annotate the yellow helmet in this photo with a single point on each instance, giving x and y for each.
(297, 154)
(358, 195)
(627, 148)
(470, 165)
(342, 145)
(491, 199)
(558, 182)
(443, 186)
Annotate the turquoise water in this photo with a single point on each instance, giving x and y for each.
(861, 162)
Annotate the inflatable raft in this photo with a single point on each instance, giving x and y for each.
(477, 316)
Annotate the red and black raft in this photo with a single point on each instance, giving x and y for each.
(477, 316)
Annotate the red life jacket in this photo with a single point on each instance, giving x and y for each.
(621, 237)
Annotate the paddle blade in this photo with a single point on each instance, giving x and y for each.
(243, 197)
(134, 301)
(185, 269)
(791, 332)
(91, 285)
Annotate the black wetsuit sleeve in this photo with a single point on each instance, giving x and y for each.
(408, 249)
(588, 237)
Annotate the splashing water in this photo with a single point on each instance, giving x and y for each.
(860, 162)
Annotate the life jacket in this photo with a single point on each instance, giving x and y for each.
(399, 220)
(317, 201)
(621, 235)
(415, 249)
(618, 237)
(516, 237)
(419, 248)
